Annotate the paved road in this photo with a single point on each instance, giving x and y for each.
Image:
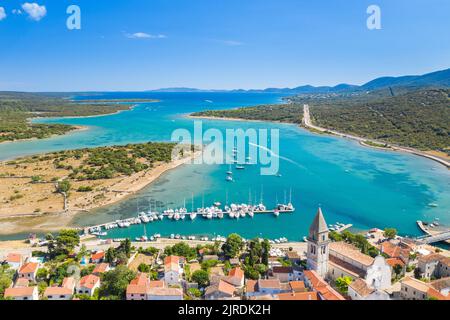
(307, 123)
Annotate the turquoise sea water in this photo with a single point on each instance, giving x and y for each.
(353, 184)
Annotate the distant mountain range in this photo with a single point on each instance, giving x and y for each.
(438, 79)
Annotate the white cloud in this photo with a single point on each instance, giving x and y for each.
(17, 11)
(143, 35)
(34, 10)
(2, 13)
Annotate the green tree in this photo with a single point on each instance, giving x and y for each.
(397, 270)
(265, 252)
(125, 247)
(64, 243)
(145, 268)
(233, 246)
(63, 186)
(251, 273)
(110, 255)
(390, 233)
(42, 274)
(181, 249)
(201, 277)
(6, 278)
(115, 282)
(195, 293)
(342, 284)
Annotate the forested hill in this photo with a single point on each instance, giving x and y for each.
(17, 107)
(418, 119)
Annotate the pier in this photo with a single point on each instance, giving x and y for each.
(434, 233)
(234, 211)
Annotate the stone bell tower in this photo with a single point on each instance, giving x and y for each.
(318, 245)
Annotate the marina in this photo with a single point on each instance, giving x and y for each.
(233, 211)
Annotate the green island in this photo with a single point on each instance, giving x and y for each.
(412, 118)
(16, 108)
(292, 113)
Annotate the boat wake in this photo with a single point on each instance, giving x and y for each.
(277, 155)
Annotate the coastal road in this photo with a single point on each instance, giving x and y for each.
(308, 124)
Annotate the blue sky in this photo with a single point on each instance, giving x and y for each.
(220, 44)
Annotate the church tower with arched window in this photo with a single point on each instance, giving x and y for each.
(318, 245)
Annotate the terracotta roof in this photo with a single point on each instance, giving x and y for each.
(156, 284)
(69, 282)
(282, 270)
(30, 267)
(436, 294)
(19, 292)
(263, 297)
(395, 261)
(101, 268)
(140, 280)
(98, 255)
(223, 287)
(172, 259)
(50, 291)
(441, 284)
(22, 282)
(297, 296)
(269, 283)
(361, 288)
(14, 258)
(348, 267)
(351, 252)
(314, 278)
(251, 286)
(137, 289)
(89, 281)
(431, 258)
(237, 273)
(319, 285)
(328, 293)
(297, 286)
(394, 251)
(171, 263)
(165, 292)
(416, 284)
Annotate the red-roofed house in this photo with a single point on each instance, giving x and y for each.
(298, 296)
(101, 268)
(22, 283)
(28, 271)
(284, 274)
(173, 270)
(14, 260)
(88, 284)
(264, 287)
(139, 288)
(158, 293)
(27, 293)
(236, 277)
(315, 283)
(64, 292)
(220, 291)
(98, 257)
